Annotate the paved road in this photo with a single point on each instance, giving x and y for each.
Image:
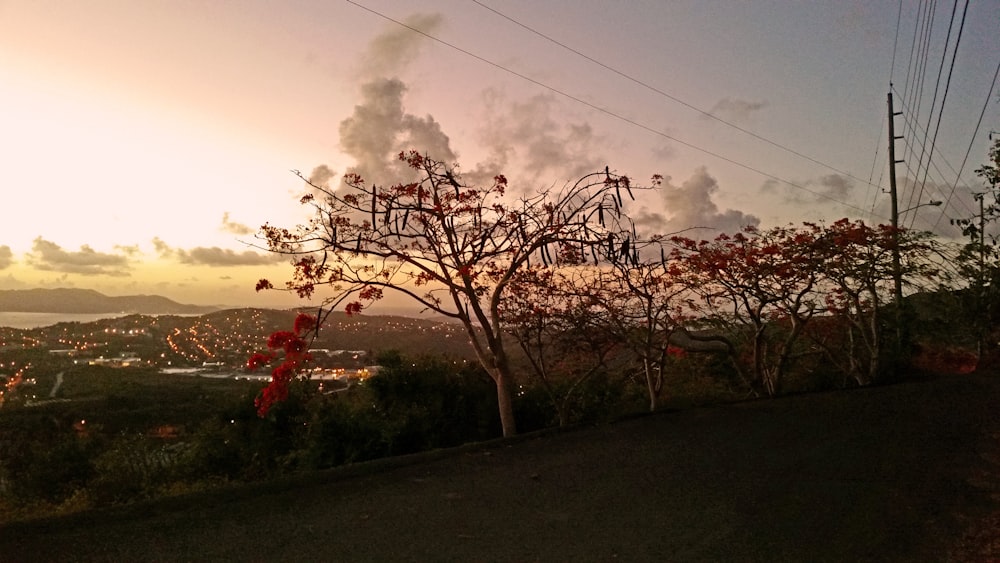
(898, 473)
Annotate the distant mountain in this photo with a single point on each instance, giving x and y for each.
(68, 300)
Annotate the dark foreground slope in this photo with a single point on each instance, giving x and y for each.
(898, 473)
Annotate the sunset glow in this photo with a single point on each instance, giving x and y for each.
(143, 144)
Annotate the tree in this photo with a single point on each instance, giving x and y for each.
(855, 274)
(977, 261)
(450, 247)
(644, 303)
(551, 314)
(759, 286)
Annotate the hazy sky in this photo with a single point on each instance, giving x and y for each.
(142, 143)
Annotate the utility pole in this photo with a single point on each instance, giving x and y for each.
(897, 269)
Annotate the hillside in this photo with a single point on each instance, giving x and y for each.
(228, 337)
(70, 300)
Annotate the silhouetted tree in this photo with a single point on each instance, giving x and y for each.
(553, 316)
(450, 247)
(759, 287)
(977, 263)
(642, 305)
(857, 275)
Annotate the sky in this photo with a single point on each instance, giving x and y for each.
(142, 144)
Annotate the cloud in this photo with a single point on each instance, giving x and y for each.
(321, 176)
(131, 250)
(835, 186)
(162, 248)
(830, 188)
(734, 110)
(59, 281)
(541, 142)
(215, 256)
(51, 257)
(233, 227)
(530, 136)
(10, 282)
(690, 205)
(6, 257)
(392, 51)
(662, 151)
(379, 129)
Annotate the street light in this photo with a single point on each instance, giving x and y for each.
(931, 203)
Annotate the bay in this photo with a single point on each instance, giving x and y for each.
(37, 320)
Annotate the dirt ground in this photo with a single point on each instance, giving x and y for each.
(908, 472)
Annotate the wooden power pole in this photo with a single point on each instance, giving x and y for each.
(897, 269)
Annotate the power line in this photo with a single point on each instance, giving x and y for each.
(874, 163)
(910, 120)
(669, 96)
(910, 185)
(895, 42)
(607, 111)
(910, 64)
(937, 85)
(972, 141)
(920, 75)
(947, 85)
(914, 83)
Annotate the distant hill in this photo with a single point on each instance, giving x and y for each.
(68, 300)
(374, 333)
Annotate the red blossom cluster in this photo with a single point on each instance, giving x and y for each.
(295, 351)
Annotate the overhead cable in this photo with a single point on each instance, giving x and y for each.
(947, 85)
(982, 113)
(669, 96)
(607, 111)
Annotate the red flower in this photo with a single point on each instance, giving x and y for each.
(304, 323)
(280, 338)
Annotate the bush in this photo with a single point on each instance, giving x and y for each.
(432, 403)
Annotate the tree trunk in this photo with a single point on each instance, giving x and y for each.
(651, 385)
(505, 402)
(562, 412)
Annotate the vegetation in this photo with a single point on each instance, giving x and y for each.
(565, 275)
(451, 247)
(566, 317)
(121, 436)
(978, 261)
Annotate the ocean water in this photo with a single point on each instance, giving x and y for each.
(36, 320)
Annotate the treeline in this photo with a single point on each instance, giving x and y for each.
(565, 280)
(120, 436)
